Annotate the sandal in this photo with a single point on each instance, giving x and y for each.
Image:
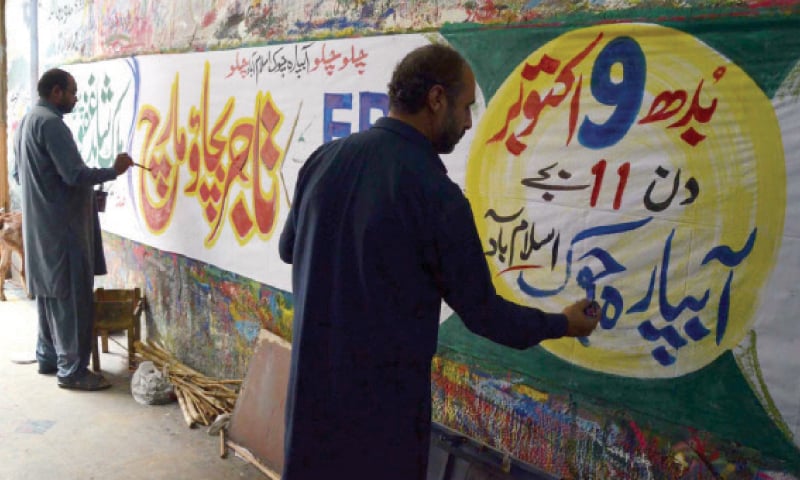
(88, 381)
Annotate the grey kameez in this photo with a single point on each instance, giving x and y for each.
(61, 234)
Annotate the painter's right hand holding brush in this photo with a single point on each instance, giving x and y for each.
(122, 163)
(582, 319)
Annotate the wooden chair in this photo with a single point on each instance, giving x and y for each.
(114, 310)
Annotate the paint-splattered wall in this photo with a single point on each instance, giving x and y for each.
(595, 417)
(101, 29)
(208, 316)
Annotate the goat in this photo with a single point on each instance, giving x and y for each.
(11, 241)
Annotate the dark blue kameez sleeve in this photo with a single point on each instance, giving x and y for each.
(286, 242)
(467, 286)
(287, 238)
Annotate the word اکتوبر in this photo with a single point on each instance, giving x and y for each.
(626, 96)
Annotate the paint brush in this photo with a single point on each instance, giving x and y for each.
(141, 166)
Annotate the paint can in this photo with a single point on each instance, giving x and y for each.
(101, 196)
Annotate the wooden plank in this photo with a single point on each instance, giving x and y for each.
(257, 421)
(246, 455)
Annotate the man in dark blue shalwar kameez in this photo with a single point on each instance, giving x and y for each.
(378, 235)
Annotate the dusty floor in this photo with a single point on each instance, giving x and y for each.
(50, 433)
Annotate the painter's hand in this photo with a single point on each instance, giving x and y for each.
(579, 324)
(122, 163)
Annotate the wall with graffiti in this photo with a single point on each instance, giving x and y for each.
(645, 157)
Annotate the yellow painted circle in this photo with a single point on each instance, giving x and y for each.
(731, 187)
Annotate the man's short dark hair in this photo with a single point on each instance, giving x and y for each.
(419, 71)
(51, 78)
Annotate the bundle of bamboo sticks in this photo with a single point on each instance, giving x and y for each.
(201, 398)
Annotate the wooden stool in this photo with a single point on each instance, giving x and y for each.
(116, 309)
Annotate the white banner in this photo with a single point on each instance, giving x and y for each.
(222, 135)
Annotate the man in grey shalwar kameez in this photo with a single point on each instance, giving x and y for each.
(61, 231)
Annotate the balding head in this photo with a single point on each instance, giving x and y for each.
(420, 70)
